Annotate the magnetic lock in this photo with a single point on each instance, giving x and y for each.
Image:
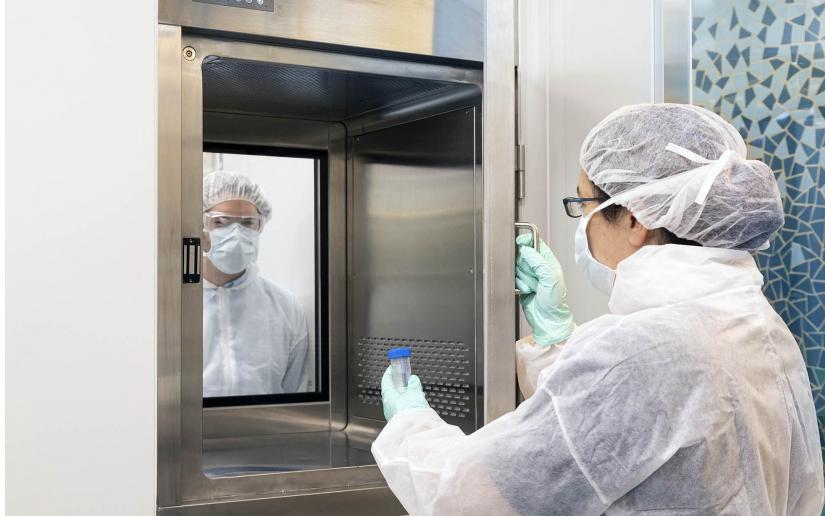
(536, 240)
(191, 260)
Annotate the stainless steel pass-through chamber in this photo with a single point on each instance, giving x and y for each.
(374, 155)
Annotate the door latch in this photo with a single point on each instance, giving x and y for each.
(191, 260)
(534, 232)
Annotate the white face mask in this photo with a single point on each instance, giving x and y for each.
(600, 275)
(233, 248)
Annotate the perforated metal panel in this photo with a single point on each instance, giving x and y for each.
(238, 86)
(444, 367)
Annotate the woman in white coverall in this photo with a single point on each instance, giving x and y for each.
(689, 397)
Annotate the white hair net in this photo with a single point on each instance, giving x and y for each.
(683, 168)
(223, 186)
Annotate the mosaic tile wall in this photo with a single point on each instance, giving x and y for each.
(761, 65)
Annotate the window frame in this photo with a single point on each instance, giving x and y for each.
(321, 215)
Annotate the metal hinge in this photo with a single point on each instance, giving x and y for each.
(520, 168)
(191, 260)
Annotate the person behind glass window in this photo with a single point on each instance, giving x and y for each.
(255, 338)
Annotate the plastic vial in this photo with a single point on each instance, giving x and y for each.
(400, 363)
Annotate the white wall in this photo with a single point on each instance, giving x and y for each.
(578, 61)
(287, 253)
(80, 177)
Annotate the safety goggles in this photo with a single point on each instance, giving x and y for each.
(574, 206)
(216, 219)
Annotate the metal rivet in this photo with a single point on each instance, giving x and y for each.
(189, 53)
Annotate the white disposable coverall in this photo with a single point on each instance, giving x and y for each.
(255, 339)
(689, 397)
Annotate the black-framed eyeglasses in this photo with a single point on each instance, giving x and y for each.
(574, 206)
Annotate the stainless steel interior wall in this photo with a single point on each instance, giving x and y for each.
(414, 262)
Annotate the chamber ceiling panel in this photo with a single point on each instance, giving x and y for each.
(239, 86)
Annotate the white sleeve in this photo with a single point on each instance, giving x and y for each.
(417, 451)
(531, 360)
(518, 464)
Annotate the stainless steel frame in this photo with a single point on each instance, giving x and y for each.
(169, 291)
(346, 500)
(307, 135)
(182, 486)
(499, 142)
(439, 28)
(474, 30)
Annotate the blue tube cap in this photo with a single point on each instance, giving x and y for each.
(399, 353)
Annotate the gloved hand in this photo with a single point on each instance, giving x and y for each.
(543, 293)
(394, 401)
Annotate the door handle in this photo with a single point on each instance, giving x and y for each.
(534, 229)
(191, 260)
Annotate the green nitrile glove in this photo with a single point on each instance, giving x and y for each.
(394, 401)
(543, 293)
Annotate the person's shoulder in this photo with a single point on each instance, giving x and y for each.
(660, 342)
(282, 298)
(276, 292)
(666, 325)
(632, 388)
(644, 368)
